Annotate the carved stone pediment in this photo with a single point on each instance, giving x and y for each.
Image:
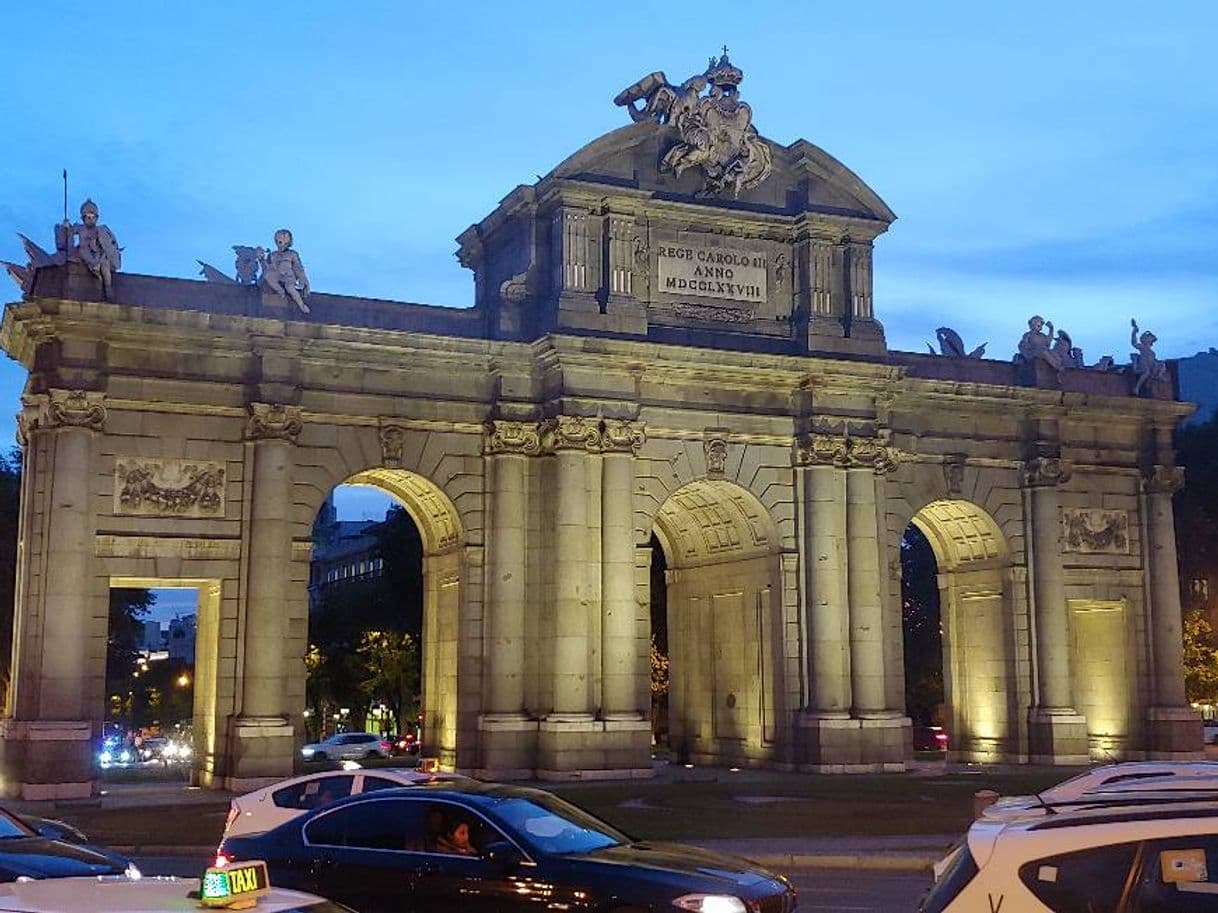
(168, 488)
(1092, 531)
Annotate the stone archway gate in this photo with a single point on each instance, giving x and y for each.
(189, 431)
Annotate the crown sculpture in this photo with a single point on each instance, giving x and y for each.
(715, 131)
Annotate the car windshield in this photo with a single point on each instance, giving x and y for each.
(548, 825)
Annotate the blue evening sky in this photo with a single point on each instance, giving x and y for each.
(1041, 157)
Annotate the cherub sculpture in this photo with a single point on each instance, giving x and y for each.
(282, 271)
(1145, 364)
(1036, 344)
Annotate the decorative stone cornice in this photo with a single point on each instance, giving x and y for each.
(622, 436)
(273, 421)
(393, 442)
(571, 432)
(846, 452)
(1042, 471)
(523, 438)
(1164, 480)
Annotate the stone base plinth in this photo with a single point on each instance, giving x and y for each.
(1174, 733)
(836, 743)
(508, 745)
(579, 747)
(1057, 736)
(263, 751)
(46, 759)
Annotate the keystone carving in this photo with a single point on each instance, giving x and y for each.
(846, 452)
(169, 488)
(715, 448)
(1041, 471)
(621, 436)
(273, 421)
(571, 432)
(1164, 480)
(953, 474)
(512, 437)
(393, 441)
(72, 409)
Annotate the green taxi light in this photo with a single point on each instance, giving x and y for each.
(234, 887)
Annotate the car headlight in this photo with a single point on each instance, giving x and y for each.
(710, 903)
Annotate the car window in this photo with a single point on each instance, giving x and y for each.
(1179, 875)
(314, 793)
(1086, 881)
(371, 783)
(455, 831)
(549, 825)
(12, 827)
(375, 825)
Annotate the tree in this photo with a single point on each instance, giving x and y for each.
(920, 619)
(1200, 659)
(10, 496)
(1196, 513)
(391, 660)
(128, 607)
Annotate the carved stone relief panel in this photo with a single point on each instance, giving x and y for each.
(168, 488)
(1094, 531)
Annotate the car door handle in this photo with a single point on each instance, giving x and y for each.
(322, 866)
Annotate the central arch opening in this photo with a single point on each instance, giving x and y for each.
(969, 560)
(718, 555)
(383, 592)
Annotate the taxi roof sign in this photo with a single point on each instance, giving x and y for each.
(236, 886)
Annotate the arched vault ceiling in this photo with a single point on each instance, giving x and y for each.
(961, 533)
(707, 522)
(434, 515)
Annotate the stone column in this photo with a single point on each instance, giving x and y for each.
(47, 747)
(261, 731)
(508, 446)
(619, 627)
(571, 437)
(863, 573)
(829, 737)
(1174, 727)
(1058, 735)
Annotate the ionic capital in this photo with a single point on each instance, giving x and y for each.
(621, 436)
(1164, 480)
(1040, 472)
(846, 452)
(522, 438)
(571, 432)
(61, 409)
(273, 421)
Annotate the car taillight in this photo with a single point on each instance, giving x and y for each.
(386, 745)
(222, 860)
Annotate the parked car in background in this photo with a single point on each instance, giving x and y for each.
(486, 846)
(343, 746)
(1134, 854)
(269, 807)
(404, 744)
(929, 738)
(25, 853)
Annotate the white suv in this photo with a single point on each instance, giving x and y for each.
(347, 746)
(1136, 853)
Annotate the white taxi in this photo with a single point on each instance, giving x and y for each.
(280, 802)
(243, 887)
(1122, 854)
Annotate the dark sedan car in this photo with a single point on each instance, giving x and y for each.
(24, 853)
(488, 847)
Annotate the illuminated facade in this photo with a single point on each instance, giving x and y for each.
(642, 358)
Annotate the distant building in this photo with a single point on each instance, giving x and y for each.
(180, 638)
(1198, 381)
(344, 551)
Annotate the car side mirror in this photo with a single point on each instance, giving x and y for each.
(502, 855)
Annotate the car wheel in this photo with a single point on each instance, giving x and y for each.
(372, 754)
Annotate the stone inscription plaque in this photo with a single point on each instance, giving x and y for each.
(711, 272)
